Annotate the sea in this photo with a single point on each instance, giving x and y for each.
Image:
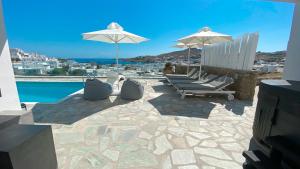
(103, 61)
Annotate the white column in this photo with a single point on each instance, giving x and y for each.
(9, 99)
(292, 64)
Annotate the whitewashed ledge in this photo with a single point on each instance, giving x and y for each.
(68, 78)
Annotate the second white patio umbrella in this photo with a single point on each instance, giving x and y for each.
(114, 34)
(205, 37)
(187, 46)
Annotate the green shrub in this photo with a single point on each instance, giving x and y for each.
(58, 72)
(78, 72)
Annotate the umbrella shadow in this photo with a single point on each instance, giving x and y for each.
(71, 110)
(163, 89)
(238, 107)
(164, 80)
(235, 106)
(169, 104)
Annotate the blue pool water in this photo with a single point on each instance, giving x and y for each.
(46, 92)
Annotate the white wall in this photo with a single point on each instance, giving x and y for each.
(9, 99)
(292, 65)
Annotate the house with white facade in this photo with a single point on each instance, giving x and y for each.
(32, 63)
(16, 54)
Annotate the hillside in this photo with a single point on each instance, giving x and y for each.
(196, 53)
(172, 56)
(271, 56)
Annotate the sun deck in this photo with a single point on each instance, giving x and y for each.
(159, 131)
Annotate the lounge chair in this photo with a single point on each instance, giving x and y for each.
(191, 73)
(216, 86)
(194, 77)
(205, 79)
(190, 76)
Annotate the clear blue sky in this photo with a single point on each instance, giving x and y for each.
(54, 27)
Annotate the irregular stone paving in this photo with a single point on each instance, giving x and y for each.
(160, 131)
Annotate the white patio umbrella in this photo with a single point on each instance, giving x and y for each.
(205, 37)
(187, 46)
(114, 34)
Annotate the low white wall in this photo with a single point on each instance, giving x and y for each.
(292, 65)
(9, 99)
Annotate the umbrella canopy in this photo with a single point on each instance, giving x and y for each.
(205, 37)
(185, 46)
(113, 34)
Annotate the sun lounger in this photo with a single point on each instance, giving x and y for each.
(192, 78)
(216, 86)
(191, 73)
(204, 79)
(195, 76)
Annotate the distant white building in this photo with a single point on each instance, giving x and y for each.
(35, 67)
(32, 63)
(23, 56)
(16, 54)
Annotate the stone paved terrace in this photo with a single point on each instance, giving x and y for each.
(160, 131)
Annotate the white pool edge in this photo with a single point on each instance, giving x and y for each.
(57, 102)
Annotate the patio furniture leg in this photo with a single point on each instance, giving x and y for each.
(183, 95)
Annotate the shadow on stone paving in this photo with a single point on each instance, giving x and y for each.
(163, 80)
(236, 106)
(164, 89)
(71, 110)
(167, 104)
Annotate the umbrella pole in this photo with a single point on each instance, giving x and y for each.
(202, 55)
(117, 56)
(200, 70)
(189, 62)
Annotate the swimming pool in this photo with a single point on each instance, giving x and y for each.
(46, 92)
